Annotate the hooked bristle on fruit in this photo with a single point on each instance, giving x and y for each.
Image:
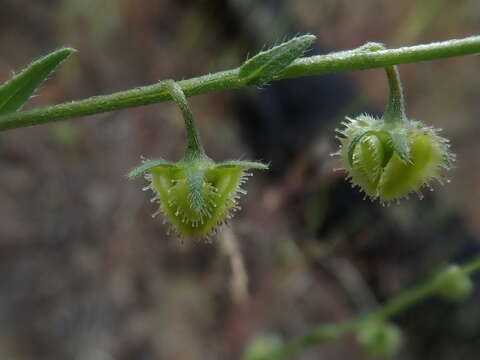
(390, 162)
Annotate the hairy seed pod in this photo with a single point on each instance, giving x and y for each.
(390, 157)
(196, 195)
(388, 162)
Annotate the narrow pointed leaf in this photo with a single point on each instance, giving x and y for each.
(244, 164)
(147, 165)
(265, 65)
(16, 91)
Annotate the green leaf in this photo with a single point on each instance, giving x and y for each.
(244, 164)
(147, 165)
(400, 145)
(265, 65)
(16, 91)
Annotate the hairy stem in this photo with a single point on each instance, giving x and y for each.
(329, 332)
(314, 65)
(194, 144)
(395, 112)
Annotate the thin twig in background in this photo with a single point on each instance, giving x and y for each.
(239, 281)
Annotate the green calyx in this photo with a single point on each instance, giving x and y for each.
(195, 194)
(389, 163)
(390, 157)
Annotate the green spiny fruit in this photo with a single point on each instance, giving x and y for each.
(390, 157)
(195, 194)
(198, 195)
(389, 163)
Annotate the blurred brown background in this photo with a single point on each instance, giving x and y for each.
(87, 274)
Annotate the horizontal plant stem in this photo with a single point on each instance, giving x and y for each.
(328, 332)
(314, 65)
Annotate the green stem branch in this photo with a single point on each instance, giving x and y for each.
(314, 65)
(328, 332)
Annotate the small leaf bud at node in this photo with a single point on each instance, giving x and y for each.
(380, 339)
(453, 284)
(261, 347)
